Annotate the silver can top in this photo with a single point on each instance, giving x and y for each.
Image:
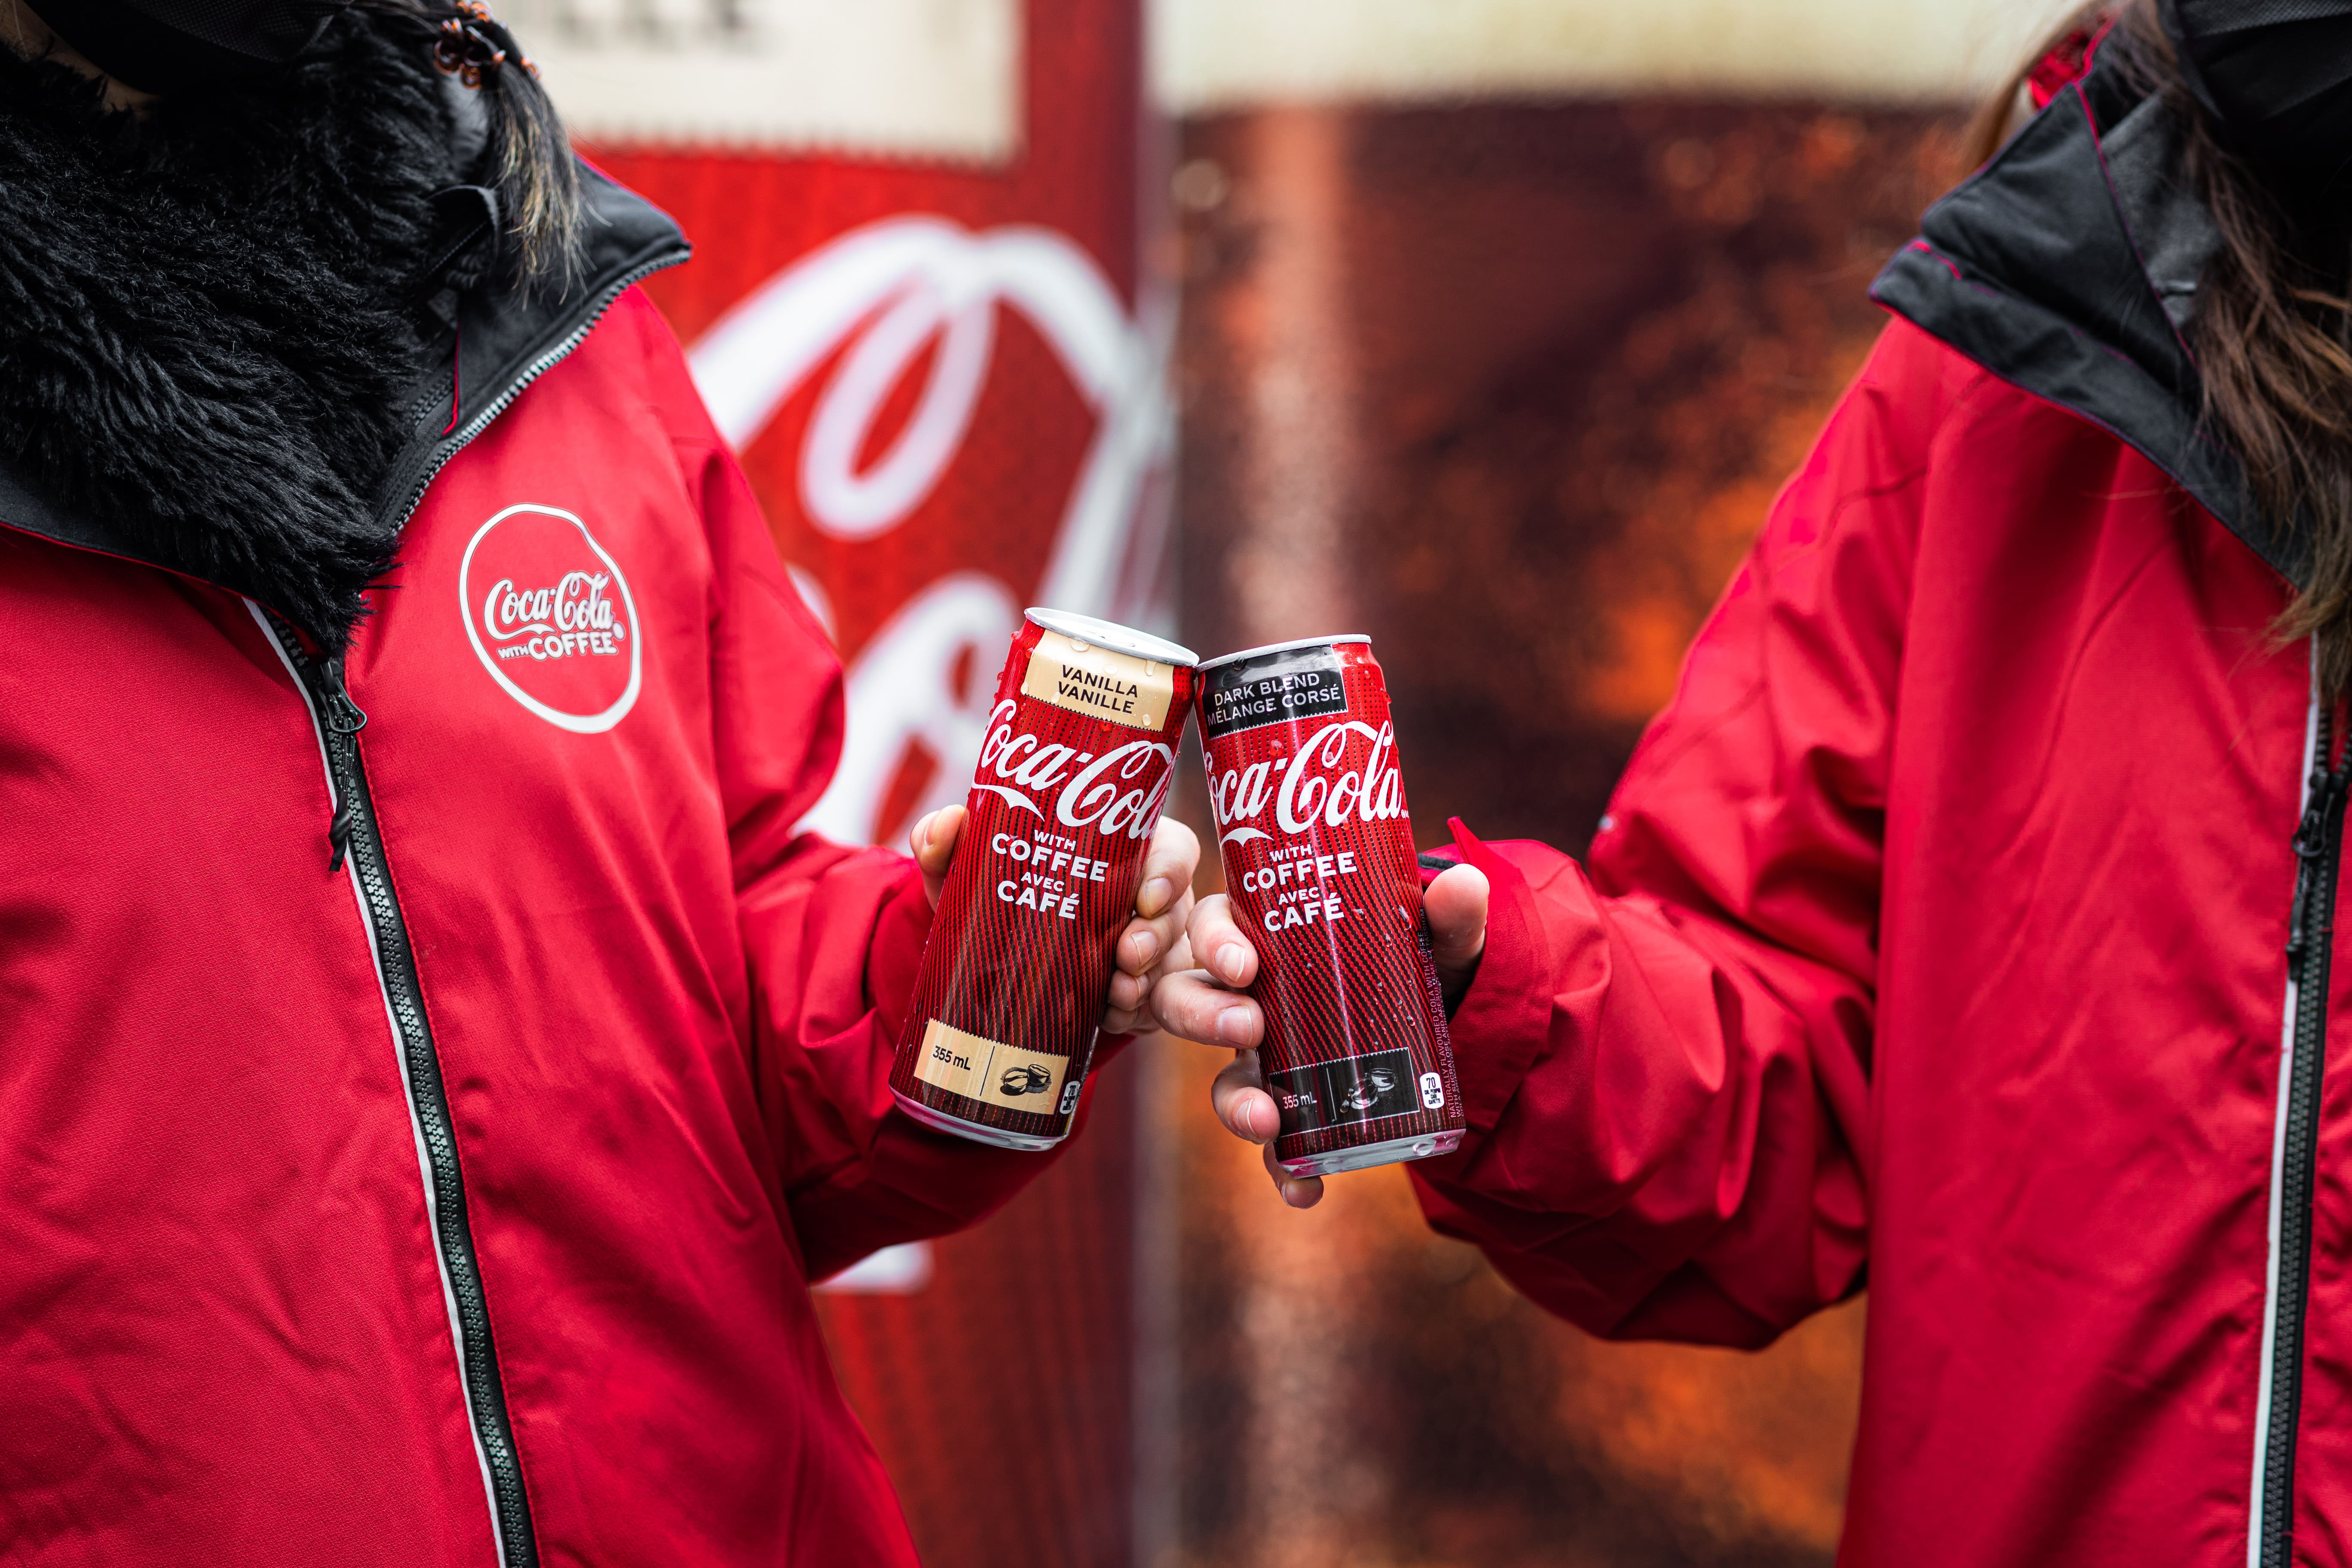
(1284, 647)
(1117, 638)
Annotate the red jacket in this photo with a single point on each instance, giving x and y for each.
(415, 1144)
(1938, 938)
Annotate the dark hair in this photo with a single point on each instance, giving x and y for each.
(529, 156)
(2272, 333)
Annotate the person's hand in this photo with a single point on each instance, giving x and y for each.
(1209, 1004)
(1163, 902)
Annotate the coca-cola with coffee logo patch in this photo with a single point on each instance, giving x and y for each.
(1319, 863)
(1073, 773)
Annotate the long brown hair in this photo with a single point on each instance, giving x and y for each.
(2272, 333)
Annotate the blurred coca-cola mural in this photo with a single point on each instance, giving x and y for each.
(1486, 327)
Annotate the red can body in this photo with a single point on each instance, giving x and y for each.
(1072, 777)
(1319, 863)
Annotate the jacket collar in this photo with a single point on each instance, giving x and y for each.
(508, 336)
(2068, 266)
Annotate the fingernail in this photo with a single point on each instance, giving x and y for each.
(1155, 896)
(1256, 1129)
(1229, 959)
(1147, 947)
(1233, 1022)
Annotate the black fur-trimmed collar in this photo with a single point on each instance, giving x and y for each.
(210, 327)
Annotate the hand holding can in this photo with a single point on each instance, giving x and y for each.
(1211, 1003)
(1073, 773)
(1309, 808)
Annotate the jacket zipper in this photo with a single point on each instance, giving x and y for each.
(2319, 847)
(355, 839)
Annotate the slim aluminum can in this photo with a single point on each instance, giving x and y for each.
(1319, 863)
(1073, 773)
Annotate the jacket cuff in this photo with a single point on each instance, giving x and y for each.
(1501, 1022)
(901, 926)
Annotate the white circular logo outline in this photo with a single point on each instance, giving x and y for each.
(579, 724)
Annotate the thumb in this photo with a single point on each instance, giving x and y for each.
(933, 842)
(1456, 906)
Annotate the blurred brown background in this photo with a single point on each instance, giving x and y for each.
(1509, 386)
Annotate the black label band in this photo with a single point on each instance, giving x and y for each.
(1296, 683)
(1352, 1089)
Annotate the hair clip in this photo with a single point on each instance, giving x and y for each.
(473, 44)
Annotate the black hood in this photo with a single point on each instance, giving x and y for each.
(230, 352)
(173, 45)
(2068, 266)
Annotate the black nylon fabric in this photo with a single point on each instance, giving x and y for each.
(2031, 269)
(169, 46)
(2276, 75)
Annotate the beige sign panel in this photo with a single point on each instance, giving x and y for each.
(1221, 54)
(919, 78)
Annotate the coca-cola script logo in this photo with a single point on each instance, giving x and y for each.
(549, 615)
(1118, 791)
(1312, 785)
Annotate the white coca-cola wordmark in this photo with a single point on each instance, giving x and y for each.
(1312, 784)
(575, 604)
(1091, 793)
(886, 292)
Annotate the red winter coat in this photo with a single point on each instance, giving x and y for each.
(455, 1204)
(1938, 937)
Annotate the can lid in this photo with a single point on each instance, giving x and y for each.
(1117, 638)
(1284, 647)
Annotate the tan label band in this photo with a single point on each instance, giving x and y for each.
(1085, 679)
(990, 1071)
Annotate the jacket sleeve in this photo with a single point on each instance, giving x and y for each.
(832, 935)
(1666, 1056)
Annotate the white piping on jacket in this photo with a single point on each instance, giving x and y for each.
(2278, 1165)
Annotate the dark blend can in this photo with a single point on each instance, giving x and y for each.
(1319, 863)
(1073, 773)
